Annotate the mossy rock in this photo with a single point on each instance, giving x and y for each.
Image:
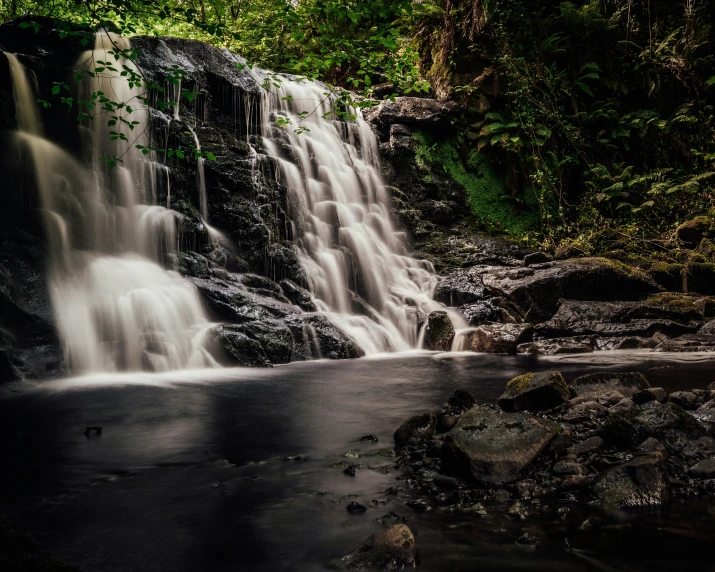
(700, 277)
(680, 306)
(706, 248)
(693, 231)
(535, 392)
(667, 275)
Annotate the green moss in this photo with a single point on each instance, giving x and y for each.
(519, 384)
(486, 194)
(674, 302)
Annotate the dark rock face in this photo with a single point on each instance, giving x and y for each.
(558, 346)
(619, 319)
(498, 338)
(459, 289)
(535, 392)
(494, 447)
(538, 294)
(389, 549)
(410, 111)
(440, 332)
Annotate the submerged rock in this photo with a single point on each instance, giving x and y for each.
(534, 392)
(389, 549)
(558, 346)
(494, 447)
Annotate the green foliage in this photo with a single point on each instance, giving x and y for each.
(487, 198)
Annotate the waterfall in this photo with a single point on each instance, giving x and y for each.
(355, 261)
(117, 306)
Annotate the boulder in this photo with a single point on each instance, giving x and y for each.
(668, 423)
(650, 394)
(440, 332)
(489, 311)
(638, 483)
(623, 319)
(693, 231)
(537, 258)
(587, 411)
(410, 111)
(389, 549)
(493, 447)
(690, 400)
(460, 288)
(416, 430)
(497, 338)
(235, 348)
(534, 392)
(601, 383)
(599, 279)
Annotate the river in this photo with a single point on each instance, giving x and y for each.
(189, 472)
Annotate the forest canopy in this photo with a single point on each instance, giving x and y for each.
(596, 114)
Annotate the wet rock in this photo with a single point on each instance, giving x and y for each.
(389, 549)
(600, 383)
(236, 348)
(298, 295)
(493, 447)
(668, 423)
(489, 311)
(416, 430)
(558, 346)
(537, 258)
(497, 338)
(622, 319)
(705, 469)
(409, 111)
(567, 468)
(460, 288)
(587, 411)
(351, 470)
(637, 483)
(419, 505)
(575, 482)
(460, 401)
(583, 279)
(534, 392)
(688, 343)
(587, 446)
(355, 508)
(368, 438)
(440, 332)
(650, 394)
(688, 400)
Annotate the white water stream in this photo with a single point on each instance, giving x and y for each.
(355, 260)
(117, 308)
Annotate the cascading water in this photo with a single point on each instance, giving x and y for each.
(117, 308)
(355, 261)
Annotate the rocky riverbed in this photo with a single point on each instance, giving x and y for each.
(574, 456)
